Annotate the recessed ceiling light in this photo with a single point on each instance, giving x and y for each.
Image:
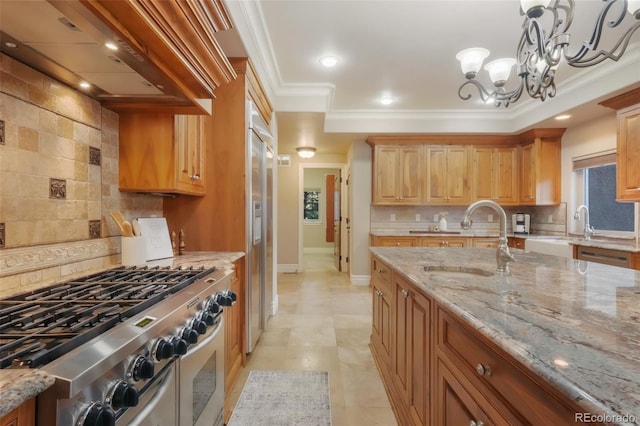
(84, 85)
(10, 44)
(111, 45)
(328, 61)
(386, 100)
(563, 117)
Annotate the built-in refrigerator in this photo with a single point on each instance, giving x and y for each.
(259, 224)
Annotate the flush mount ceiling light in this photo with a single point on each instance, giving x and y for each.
(386, 100)
(543, 45)
(306, 151)
(328, 61)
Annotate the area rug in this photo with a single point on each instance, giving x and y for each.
(284, 398)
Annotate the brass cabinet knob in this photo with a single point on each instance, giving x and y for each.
(483, 370)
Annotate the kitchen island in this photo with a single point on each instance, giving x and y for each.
(20, 385)
(569, 340)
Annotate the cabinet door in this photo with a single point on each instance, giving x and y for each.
(189, 145)
(411, 349)
(483, 181)
(527, 175)
(385, 168)
(455, 406)
(506, 175)
(443, 242)
(628, 166)
(484, 242)
(395, 241)
(458, 191)
(436, 175)
(410, 175)
(23, 415)
(381, 332)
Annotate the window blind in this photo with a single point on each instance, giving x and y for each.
(600, 159)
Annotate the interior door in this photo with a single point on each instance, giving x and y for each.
(337, 216)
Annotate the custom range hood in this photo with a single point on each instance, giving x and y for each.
(133, 53)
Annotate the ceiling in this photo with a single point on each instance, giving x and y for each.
(405, 49)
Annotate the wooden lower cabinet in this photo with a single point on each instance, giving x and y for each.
(24, 415)
(381, 330)
(443, 241)
(234, 338)
(516, 242)
(394, 241)
(444, 372)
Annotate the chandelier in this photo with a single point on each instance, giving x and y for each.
(543, 45)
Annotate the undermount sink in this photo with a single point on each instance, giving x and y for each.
(445, 270)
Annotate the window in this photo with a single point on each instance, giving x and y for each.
(605, 213)
(312, 205)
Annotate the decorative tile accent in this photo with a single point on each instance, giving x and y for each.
(25, 259)
(95, 156)
(95, 227)
(1, 132)
(2, 239)
(57, 189)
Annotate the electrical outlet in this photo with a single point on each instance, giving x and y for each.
(550, 218)
(490, 218)
(436, 217)
(393, 217)
(417, 217)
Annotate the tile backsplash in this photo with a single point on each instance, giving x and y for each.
(550, 220)
(58, 181)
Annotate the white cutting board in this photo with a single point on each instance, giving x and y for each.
(156, 234)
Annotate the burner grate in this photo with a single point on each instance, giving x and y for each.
(38, 327)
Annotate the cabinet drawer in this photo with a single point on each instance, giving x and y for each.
(381, 273)
(524, 400)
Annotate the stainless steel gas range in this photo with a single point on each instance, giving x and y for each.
(128, 346)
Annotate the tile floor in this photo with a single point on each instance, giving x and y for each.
(324, 323)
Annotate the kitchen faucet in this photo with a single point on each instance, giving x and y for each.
(503, 256)
(588, 229)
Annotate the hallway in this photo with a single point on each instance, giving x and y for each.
(324, 323)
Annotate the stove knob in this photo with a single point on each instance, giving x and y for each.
(142, 368)
(98, 415)
(124, 395)
(179, 345)
(213, 306)
(232, 295)
(207, 318)
(199, 326)
(190, 335)
(224, 299)
(164, 350)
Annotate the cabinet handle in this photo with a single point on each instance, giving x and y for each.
(483, 370)
(476, 423)
(397, 244)
(380, 271)
(378, 293)
(405, 293)
(194, 177)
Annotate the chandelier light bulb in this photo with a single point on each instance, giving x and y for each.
(499, 70)
(633, 6)
(534, 8)
(471, 60)
(329, 61)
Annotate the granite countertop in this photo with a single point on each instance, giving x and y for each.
(577, 330)
(19, 385)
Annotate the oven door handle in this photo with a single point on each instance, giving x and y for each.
(158, 396)
(207, 339)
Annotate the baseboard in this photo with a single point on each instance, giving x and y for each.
(362, 280)
(288, 268)
(317, 250)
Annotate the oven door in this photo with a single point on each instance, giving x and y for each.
(158, 404)
(201, 380)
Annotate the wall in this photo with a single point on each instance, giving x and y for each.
(359, 207)
(314, 234)
(57, 228)
(288, 208)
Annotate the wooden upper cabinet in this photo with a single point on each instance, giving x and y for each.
(628, 163)
(495, 174)
(448, 173)
(398, 175)
(163, 153)
(540, 169)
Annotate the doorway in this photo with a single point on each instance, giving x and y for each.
(321, 213)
